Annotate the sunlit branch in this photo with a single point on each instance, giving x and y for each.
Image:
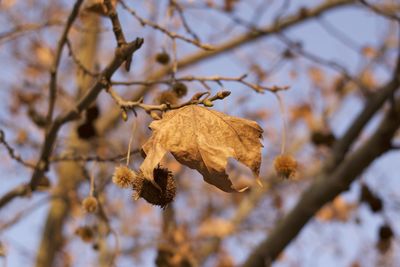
(218, 79)
(117, 29)
(195, 100)
(42, 164)
(57, 59)
(172, 35)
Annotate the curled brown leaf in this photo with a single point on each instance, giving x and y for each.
(204, 139)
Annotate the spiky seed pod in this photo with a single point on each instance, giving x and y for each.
(373, 201)
(145, 189)
(89, 204)
(92, 113)
(385, 232)
(86, 233)
(167, 97)
(123, 176)
(320, 138)
(285, 166)
(180, 89)
(162, 58)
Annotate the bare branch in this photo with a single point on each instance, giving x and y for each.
(179, 8)
(195, 100)
(19, 191)
(117, 29)
(218, 79)
(327, 186)
(284, 24)
(43, 163)
(337, 173)
(78, 62)
(380, 12)
(25, 28)
(12, 153)
(81, 158)
(57, 59)
(172, 35)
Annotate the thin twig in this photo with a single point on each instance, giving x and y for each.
(57, 59)
(195, 100)
(283, 116)
(328, 63)
(185, 24)
(218, 79)
(130, 142)
(172, 35)
(19, 30)
(42, 164)
(338, 34)
(79, 63)
(12, 153)
(92, 158)
(379, 11)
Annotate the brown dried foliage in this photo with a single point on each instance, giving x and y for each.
(204, 139)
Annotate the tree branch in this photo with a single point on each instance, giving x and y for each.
(57, 58)
(374, 103)
(12, 153)
(282, 25)
(215, 78)
(326, 187)
(117, 29)
(380, 12)
(43, 163)
(337, 173)
(195, 100)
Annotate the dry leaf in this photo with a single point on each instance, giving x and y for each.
(216, 227)
(43, 54)
(338, 210)
(369, 52)
(316, 75)
(204, 139)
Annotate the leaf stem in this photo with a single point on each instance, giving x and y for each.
(92, 182)
(283, 116)
(130, 143)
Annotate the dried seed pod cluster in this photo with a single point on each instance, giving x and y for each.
(172, 95)
(86, 233)
(160, 192)
(167, 97)
(89, 204)
(371, 199)
(123, 176)
(285, 166)
(163, 58)
(180, 89)
(161, 196)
